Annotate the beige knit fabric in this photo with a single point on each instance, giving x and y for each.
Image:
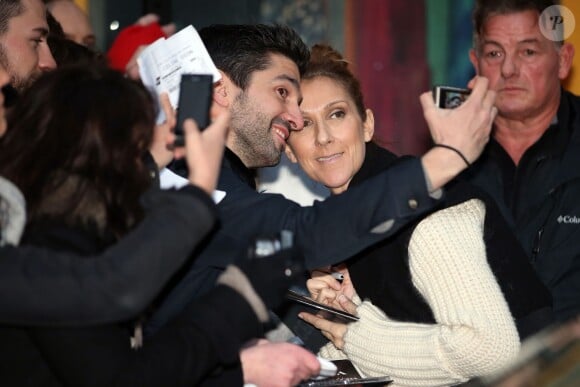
(475, 333)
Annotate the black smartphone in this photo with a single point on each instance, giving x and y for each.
(195, 96)
(448, 97)
(324, 311)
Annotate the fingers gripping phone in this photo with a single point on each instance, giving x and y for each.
(447, 97)
(325, 311)
(195, 97)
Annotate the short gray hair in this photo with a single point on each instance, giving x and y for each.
(484, 9)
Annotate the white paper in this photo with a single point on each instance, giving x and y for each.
(163, 61)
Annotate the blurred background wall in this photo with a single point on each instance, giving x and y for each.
(398, 49)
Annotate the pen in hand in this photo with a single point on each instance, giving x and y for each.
(337, 276)
(334, 274)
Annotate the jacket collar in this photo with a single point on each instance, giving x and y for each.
(233, 162)
(376, 160)
(561, 141)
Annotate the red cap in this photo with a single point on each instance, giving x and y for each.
(127, 42)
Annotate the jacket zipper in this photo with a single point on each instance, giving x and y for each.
(536, 245)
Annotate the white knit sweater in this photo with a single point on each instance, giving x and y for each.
(474, 333)
(12, 213)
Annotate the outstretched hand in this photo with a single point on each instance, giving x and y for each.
(464, 132)
(467, 127)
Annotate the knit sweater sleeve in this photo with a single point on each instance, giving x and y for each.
(474, 333)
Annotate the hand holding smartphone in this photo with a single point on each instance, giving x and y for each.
(447, 97)
(195, 98)
(325, 311)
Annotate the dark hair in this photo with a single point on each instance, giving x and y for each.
(327, 62)
(67, 52)
(54, 27)
(240, 49)
(483, 9)
(8, 10)
(77, 136)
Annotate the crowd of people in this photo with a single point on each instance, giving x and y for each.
(450, 260)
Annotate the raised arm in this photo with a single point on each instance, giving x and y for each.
(45, 287)
(465, 129)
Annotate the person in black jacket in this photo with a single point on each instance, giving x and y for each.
(85, 197)
(41, 286)
(450, 296)
(530, 166)
(46, 287)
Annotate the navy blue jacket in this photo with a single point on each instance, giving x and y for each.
(203, 340)
(328, 232)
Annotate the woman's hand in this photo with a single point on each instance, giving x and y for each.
(333, 331)
(324, 288)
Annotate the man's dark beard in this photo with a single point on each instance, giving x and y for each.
(8, 90)
(21, 84)
(18, 84)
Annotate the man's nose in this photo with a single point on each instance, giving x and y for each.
(46, 61)
(294, 118)
(509, 66)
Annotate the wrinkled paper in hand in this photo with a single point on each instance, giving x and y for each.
(163, 61)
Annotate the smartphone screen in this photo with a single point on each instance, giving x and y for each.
(195, 97)
(447, 97)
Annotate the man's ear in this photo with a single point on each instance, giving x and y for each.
(566, 55)
(290, 154)
(473, 60)
(369, 126)
(220, 94)
(222, 91)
